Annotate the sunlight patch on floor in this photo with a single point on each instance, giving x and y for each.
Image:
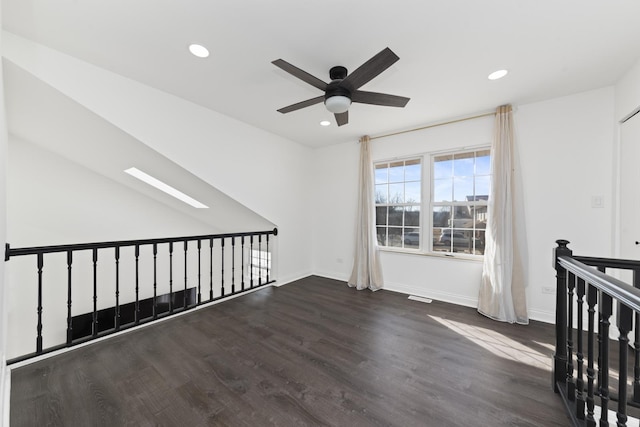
(498, 344)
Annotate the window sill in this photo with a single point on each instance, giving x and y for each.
(454, 256)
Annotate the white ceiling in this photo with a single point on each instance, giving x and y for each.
(446, 50)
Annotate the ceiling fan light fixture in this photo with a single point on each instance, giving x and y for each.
(337, 104)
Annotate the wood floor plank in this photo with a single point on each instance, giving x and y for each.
(310, 353)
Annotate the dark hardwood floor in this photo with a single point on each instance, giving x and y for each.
(314, 352)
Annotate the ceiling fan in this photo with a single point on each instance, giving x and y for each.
(344, 88)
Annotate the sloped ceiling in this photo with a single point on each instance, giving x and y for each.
(39, 114)
(446, 51)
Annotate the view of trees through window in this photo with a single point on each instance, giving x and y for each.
(457, 198)
(398, 198)
(460, 194)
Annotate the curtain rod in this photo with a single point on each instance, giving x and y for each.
(434, 125)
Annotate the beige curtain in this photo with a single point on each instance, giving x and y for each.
(366, 265)
(502, 291)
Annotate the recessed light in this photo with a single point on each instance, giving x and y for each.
(325, 123)
(497, 74)
(199, 50)
(154, 182)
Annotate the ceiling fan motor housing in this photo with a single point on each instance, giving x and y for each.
(337, 87)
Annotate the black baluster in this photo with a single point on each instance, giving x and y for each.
(268, 261)
(625, 321)
(199, 277)
(592, 300)
(636, 346)
(580, 402)
(233, 265)
(571, 385)
(155, 281)
(69, 317)
(242, 261)
(222, 290)
(260, 260)
(170, 277)
(605, 310)
(184, 295)
(211, 269)
(40, 261)
(251, 261)
(116, 320)
(137, 305)
(94, 324)
(602, 270)
(560, 356)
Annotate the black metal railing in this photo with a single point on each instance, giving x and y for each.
(96, 271)
(583, 388)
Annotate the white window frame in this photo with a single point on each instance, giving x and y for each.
(426, 246)
(405, 204)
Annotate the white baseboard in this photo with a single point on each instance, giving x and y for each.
(291, 278)
(5, 393)
(542, 316)
(428, 293)
(332, 275)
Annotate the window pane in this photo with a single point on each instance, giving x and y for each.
(462, 217)
(381, 193)
(483, 162)
(412, 216)
(395, 237)
(479, 216)
(442, 190)
(413, 170)
(441, 216)
(382, 174)
(381, 233)
(396, 172)
(463, 188)
(395, 215)
(483, 186)
(479, 242)
(460, 226)
(381, 215)
(412, 238)
(442, 240)
(443, 167)
(463, 164)
(396, 193)
(412, 192)
(462, 240)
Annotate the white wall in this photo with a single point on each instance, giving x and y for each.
(564, 148)
(566, 151)
(264, 172)
(4, 382)
(628, 92)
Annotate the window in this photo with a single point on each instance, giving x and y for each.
(457, 198)
(398, 201)
(460, 193)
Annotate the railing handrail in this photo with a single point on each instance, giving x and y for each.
(613, 287)
(11, 252)
(624, 264)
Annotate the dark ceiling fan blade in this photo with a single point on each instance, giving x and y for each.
(342, 118)
(370, 69)
(378, 99)
(299, 105)
(301, 74)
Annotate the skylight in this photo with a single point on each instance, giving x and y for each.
(154, 182)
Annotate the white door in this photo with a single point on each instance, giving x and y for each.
(630, 188)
